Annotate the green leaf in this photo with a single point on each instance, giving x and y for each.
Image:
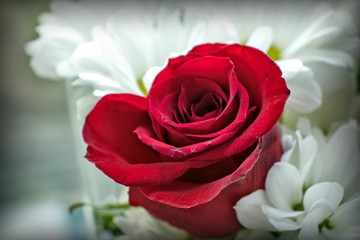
(104, 215)
(77, 205)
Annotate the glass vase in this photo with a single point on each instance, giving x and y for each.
(103, 198)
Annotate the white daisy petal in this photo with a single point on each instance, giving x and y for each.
(347, 214)
(342, 146)
(284, 224)
(124, 76)
(308, 149)
(261, 38)
(332, 57)
(345, 221)
(275, 212)
(288, 142)
(331, 192)
(87, 56)
(304, 126)
(197, 34)
(350, 232)
(311, 33)
(95, 79)
(305, 92)
(105, 42)
(290, 67)
(100, 93)
(319, 211)
(284, 186)
(42, 68)
(84, 105)
(150, 75)
(282, 220)
(45, 60)
(249, 212)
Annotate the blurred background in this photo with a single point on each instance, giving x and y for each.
(39, 174)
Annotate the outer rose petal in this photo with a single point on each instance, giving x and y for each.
(206, 210)
(207, 49)
(109, 133)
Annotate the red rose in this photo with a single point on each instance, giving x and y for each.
(203, 138)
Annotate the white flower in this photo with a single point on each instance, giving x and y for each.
(313, 189)
(328, 219)
(61, 30)
(313, 43)
(136, 38)
(340, 101)
(138, 224)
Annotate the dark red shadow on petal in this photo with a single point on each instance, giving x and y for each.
(220, 169)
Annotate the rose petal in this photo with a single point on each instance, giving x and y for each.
(255, 69)
(216, 69)
(209, 106)
(137, 174)
(185, 195)
(116, 150)
(180, 152)
(243, 113)
(201, 221)
(212, 204)
(172, 65)
(200, 86)
(207, 49)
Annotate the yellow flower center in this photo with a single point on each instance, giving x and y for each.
(274, 52)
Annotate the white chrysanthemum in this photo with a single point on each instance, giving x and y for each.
(138, 224)
(134, 39)
(313, 43)
(313, 189)
(61, 30)
(108, 47)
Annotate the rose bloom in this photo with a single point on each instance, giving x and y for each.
(204, 137)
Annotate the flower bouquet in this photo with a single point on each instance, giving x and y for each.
(204, 120)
